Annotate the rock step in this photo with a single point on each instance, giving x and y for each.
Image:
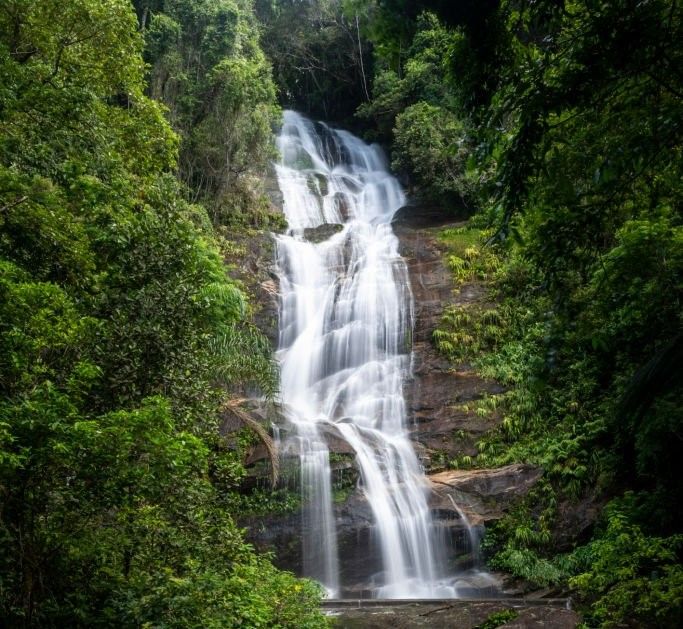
(334, 603)
(450, 613)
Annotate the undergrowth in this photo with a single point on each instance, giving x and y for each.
(554, 413)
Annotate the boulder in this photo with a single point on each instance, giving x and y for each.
(322, 232)
(482, 495)
(575, 520)
(420, 213)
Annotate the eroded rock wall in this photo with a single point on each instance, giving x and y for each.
(442, 402)
(441, 398)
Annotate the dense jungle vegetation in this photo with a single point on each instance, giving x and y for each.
(557, 127)
(126, 140)
(134, 137)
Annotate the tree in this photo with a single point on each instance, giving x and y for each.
(207, 67)
(120, 332)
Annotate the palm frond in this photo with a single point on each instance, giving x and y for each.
(234, 407)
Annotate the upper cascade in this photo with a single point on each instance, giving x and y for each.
(331, 176)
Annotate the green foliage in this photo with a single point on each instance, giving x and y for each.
(526, 564)
(120, 335)
(632, 575)
(207, 66)
(254, 595)
(521, 543)
(266, 501)
(498, 619)
(59, 46)
(432, 144)
(466, 330)
(321, 58)
(423, 79)
(419, 103)
(467, 254)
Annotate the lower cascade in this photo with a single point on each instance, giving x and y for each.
(346, 316)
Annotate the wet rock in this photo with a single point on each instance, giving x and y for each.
(443, 405)
(430, 280)
(483, 495)
(419, 214)
(322, 232)
(444, 614)
(356, 542)
(271, 188)
(255, 269)
(252, 262)
(575, 521)
(444, 424)
(480, 495)
(357, 545)
(280, 534)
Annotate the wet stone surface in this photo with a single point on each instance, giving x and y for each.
(441, 398)
(458, 614)
(482, 494)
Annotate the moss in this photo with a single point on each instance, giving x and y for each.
(498, 619)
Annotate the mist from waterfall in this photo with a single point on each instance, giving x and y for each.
(346, 317)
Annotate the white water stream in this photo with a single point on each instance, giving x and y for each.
(346, 317)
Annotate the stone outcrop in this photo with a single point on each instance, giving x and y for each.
(482, 495)
(479, 495)
(322, 232)
(255, 269)
(576, 519)
(438, 393)
(252, 262)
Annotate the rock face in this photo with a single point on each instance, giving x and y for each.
(441, 405)
(322, 232)
(441, 399)
(575, 520)
(482, 495)
(252, 262)
(438, 393)
(283, 534)
(254, 266)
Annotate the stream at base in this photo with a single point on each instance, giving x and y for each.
(346, 317)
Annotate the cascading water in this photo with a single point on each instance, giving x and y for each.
(345, 349)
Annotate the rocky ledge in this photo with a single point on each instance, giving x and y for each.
(463, 614)
(461, 500)
(481, 495)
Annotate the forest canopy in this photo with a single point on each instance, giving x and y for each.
(557, 126)
(135, 138)
(121, 333)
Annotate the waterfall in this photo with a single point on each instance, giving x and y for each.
(346, 315)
